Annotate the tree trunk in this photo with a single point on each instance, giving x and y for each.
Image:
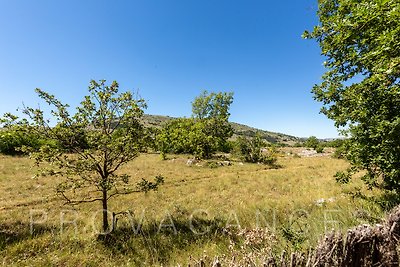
(105, 212)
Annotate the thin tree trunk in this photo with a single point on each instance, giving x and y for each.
(105, 212)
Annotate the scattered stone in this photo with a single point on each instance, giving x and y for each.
(320, 202)
(332, 199)
(192, 162)
(307, 153)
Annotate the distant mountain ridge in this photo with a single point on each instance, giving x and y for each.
(239, 130)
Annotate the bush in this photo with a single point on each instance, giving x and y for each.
(334, 143)
(12, 140)
(319, 149)
(205, 133)
(191, 136)
(341, 151)
(298, 144)
(312, 142)
(253, 150)
(16, 141)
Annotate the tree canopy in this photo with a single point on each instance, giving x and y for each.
(360, 89)
(205, 133)
(212, 105)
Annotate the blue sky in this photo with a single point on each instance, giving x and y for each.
(169, 50)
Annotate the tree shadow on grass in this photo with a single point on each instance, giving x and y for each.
(155, 242)
(11, 233)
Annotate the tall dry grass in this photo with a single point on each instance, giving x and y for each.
(199, 210)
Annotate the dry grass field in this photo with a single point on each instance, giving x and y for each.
(200, 210)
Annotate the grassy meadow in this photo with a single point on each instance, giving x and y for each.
(200, 210)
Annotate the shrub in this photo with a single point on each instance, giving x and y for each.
(319, 149)
(12, 140)
(334, 143)
(341, 151)
(192, 136)
(253, 150)
(312, 142)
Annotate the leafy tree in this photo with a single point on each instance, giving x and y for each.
(187, 136)
(312, 142)
(211, 110)
(212, 105)
(174, 137)
(252, 150)
(104, 134)
(205, 133)
(341, 149)
(360, 89)
(319, 149)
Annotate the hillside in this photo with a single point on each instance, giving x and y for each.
(239, 130)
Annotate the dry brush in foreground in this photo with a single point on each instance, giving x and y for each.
(363, 245)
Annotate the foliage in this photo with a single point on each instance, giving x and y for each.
(312, 142)
(252, 150)
(189, 136)
(104, 134)
(185, 136)
(298, 144)
(13, 138)
(149, 140)
(342, 149)
(336, 143)
(212, 111)
(212, 105)
(360, 90)
(319, 149)
(204, 134)
(16, 140)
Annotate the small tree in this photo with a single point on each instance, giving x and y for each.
(312, 142)
(202, 135)
(252, 150)
(212, 105)
(104, 134)
(186, 135)
(211, 110)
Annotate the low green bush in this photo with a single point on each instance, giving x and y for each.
(12, 140)
(253, 150)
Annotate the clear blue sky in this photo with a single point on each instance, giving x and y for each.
(169, 50)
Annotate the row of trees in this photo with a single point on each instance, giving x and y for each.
(206, 132)
(319, 145)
